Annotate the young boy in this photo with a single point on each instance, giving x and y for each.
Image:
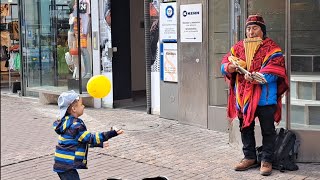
(74, 140)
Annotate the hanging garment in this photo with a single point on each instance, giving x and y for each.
(4, 10)
(11, 60)
(17, 62)
(5, 38)
(4, 53)
(3, 26)
(84, 16)
(14, 29)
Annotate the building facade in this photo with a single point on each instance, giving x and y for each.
(222, 26)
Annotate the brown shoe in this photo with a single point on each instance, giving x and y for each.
(266, 168)
(246, 164)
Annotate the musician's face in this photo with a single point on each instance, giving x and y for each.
(254, 31)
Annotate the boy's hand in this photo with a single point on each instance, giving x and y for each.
(120, 132)
(106, 144)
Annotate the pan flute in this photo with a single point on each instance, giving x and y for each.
(251, 45)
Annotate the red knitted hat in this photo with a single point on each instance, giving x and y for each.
(258, 20)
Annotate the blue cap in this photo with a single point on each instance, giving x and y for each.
(65, 100)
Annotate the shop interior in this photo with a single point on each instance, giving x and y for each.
(9, 52)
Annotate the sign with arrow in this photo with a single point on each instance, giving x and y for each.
(191, 23)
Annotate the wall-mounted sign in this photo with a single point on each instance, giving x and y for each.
(191, 22)
(168, 22)
(169, 62)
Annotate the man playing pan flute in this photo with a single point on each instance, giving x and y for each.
(255, 68)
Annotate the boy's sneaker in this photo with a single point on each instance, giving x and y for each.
(246, 164)
(266, 168)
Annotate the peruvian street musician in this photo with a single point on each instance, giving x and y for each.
(255, 69)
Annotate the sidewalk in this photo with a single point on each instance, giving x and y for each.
(151, 146)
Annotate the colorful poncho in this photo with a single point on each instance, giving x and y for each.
(244, 95)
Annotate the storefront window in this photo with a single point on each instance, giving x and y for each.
(305, 64)
(52, 42)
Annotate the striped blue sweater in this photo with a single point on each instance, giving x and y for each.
(74, 140)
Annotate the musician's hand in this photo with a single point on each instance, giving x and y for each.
(248, 77)
(232, 68)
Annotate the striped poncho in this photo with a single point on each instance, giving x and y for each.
(244, 95)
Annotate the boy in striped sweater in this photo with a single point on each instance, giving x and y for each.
(74, 139)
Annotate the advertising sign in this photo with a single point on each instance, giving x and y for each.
(191, 22)
(168, 22)
(169, 62)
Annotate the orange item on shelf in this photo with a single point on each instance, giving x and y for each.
(74, 51)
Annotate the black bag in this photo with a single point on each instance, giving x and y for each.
(285, 152)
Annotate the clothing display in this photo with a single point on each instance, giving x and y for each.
(9, 48)
(84, 16)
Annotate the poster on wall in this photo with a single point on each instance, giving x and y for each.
(168, 22)
(169, 62)
(154, 35)
(191, 22)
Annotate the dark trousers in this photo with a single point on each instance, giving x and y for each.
(69, 175)
(266, 119)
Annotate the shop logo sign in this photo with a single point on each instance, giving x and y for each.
(186, 13)
(169, 11)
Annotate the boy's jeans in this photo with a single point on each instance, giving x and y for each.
(69, 175)
(266, 119)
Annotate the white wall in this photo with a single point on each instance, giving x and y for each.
(138, 67)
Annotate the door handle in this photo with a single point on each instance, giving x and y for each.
(111, 51)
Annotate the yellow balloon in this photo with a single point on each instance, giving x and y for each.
(99, 86)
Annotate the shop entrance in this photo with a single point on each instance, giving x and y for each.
(122, 42)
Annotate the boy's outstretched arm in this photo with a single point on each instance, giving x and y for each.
(94, 139)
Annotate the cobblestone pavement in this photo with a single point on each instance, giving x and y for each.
(151, 146)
